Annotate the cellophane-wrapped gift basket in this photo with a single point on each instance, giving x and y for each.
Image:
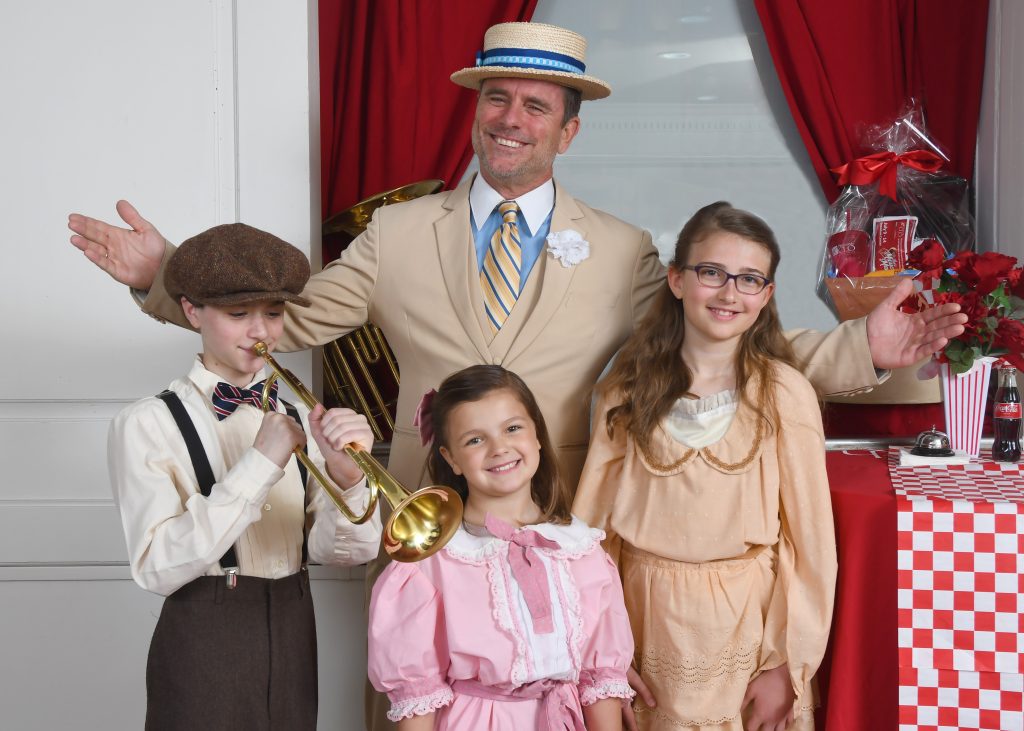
(893, 199)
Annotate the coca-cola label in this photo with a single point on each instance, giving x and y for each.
(1008, 410)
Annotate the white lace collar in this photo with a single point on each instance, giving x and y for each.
(576, 540)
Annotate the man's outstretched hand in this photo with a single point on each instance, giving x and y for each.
(130, 255)
(897, 339)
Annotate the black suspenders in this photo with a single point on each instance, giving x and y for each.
(204, 473)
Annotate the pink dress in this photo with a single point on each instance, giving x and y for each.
(456, 633)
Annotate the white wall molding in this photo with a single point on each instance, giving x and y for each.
(56, 502)
(118, 571)
(60, 410)
(225, 79)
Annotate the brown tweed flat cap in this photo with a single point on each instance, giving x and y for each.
(235, 263)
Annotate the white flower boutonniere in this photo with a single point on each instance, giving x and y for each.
(568, 246)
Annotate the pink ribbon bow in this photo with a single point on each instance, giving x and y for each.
(560, 701)
(528, 569)
(562, 708)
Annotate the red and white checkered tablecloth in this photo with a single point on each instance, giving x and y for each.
(948, 700)
(977, 481)
(961, 596)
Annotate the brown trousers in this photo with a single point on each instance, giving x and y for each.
(234, 659)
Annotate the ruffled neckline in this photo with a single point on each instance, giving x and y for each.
(689, 407)
(575, 540)
(735, 452)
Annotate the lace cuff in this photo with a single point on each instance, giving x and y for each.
(420, 705)
(591, 694)
(596, 684)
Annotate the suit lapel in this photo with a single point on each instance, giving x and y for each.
(457, 254)
(553, 279)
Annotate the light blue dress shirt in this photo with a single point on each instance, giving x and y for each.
(534, 220)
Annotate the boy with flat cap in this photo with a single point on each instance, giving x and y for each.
(218, 515)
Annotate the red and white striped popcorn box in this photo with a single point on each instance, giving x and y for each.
(926, 288)
(964, 400)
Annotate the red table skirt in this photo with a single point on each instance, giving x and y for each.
(859, 678)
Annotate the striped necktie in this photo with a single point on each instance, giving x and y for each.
(500, 276)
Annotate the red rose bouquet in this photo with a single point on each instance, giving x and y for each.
(989, 289)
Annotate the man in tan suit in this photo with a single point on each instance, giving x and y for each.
(416, 271)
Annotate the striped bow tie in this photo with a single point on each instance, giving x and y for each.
(226, 398)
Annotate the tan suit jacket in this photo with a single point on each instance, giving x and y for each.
(414, 273)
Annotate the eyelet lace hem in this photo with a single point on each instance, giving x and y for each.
(420, 706)
(682, 671)
(664, 718)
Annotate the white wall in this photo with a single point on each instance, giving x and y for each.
(1001, 133)
(696, 115)
(200, 113)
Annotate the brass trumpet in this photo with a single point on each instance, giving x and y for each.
(421, 522)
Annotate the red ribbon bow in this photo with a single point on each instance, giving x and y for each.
(882, 166)
(423, 419)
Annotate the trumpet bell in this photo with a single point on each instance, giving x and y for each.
(422, 523)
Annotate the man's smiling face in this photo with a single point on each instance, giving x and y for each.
(518, 132)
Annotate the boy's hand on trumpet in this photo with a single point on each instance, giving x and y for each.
(278, 438)
(333, 430)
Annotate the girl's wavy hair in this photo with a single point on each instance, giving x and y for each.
(649, 376)
(548, 488)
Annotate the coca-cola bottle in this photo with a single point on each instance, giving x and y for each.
(1006, 417)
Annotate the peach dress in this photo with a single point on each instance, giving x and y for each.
(727, 554)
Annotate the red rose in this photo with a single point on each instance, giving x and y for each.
(971, 305)
(928, 257)
(1014, 359)
(1015, 281)
(985, 271)
(1010, 335)
(960, 260)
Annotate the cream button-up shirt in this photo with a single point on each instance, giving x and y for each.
(174, 534)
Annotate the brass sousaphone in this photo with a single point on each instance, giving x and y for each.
(421, 522)
(360, 369)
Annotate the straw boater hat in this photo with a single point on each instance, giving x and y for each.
(533, 51)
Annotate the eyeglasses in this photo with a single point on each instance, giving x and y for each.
(712, 276)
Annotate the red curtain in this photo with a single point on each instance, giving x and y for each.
(844, 66)
(852, 63)
(389, 115)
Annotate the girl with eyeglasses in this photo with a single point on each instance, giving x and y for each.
(707, 471)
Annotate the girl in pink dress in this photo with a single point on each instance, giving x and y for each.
(519, 622)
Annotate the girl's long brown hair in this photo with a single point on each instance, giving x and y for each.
(548, 489)
(649, 374)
